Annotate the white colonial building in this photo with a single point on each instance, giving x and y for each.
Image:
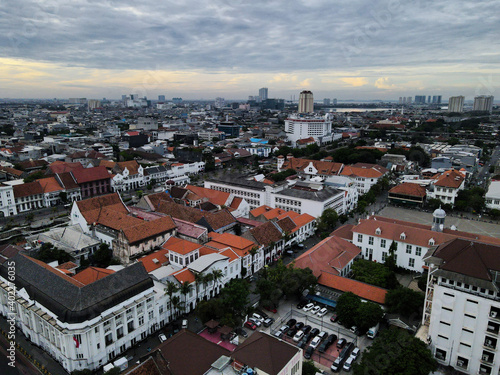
(461, 320)
(7, 200)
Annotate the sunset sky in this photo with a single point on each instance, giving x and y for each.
(354, 49)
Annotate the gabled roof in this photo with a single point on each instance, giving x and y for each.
(409, 189)
(256, 212)
(25, 190)
(92, 207)
(450, 179)
(61, 167)
(266, 233)
(90, 174)
(180, 246)
(365, 291)
(147, 229)
(219, 198)
(50, 185)
(265, 352)
(67, 180)
(184, 275)
(365, 172)
(286, 224)
(330, 255)
(91, 274)
(155, 260)
(231, 240)
(323, 167)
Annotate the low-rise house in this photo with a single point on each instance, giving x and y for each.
(93, 181)
(364, 175)
(407, 194)
(493, 195)
(446, 186)
(28, 196)
(8, 205)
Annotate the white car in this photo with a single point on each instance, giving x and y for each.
(255, 321)
(298, 336)
(322, 312)
(315, 309)
(162, 337)
(355, 353)
(257, 317)
(315, 342)
(308, 307)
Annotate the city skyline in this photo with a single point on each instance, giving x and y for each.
(225, 49)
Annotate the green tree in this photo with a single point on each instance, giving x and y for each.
(347, 307)
(308, 368)
(170, 290)
(404, 301)
(368, 315)
(327, 222)
(211, 309)
(235, 296)
(48, 253)
(217, 275)
(113, 371)
(395, 351)
(374, 273)
(103, 256)
(185, 288)
(34, 176)
(390, 260)
(177, 305)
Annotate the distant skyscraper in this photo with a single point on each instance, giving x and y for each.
(434, 99)
(429, 99)
(326, 101)
(335, 101)
(439, 98)
(400, 100)
(306, 102)
(419, 99)
(93, 104)
(161, 98)
(483, 103)
(404, 100)
(456, 104)
(251, 97)
(219, 102)
(263, 93)
(408, 100)
(124, 98)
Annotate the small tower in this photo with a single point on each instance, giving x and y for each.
(281, 161)
(438, 220)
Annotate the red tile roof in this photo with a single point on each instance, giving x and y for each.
(219, 198)
(61, 167)
(180, 246)
(365, 291)
(50, 184)
(148, 229)
(92, 207)
(323, 167)
(331, 255)
(149, 260)
(184, 275)
(450, 179)
(361, 172)
(233, 241)
(25, 190)
(409, 189)
(256, 212)
(90, 174)
(92, 274)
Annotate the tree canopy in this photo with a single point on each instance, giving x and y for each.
(347, 306)
(374, 273)
(395, 351)
(404, 301)
(327, 222)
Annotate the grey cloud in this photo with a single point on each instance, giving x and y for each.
(249, 36)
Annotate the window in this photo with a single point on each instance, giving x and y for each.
(360, 238)
(370, 240)
(441, 354)
(408, 249)
(418, 251)
(119, 333)
(411, 262)
(141, 320)
(384, 256)
(382, 243)
(403, 236)
(108, 339)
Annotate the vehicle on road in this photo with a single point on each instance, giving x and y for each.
(257, 317)
(372, 332)
(282, 331)
(271, 309)
(303, 342)
(302, 303)
(355, 353)
(162, 337)
(184, 324)
(291, 323)
(341, 343)
(314, 331)
(334, 318)
(307, 329)
(255, 321)
(348, 364)
(299, 325)
(240, 331)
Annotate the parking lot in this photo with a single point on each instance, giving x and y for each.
(288, 310)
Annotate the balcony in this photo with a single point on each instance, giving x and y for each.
(490, 343)
(493, 328)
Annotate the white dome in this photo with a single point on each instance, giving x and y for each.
(439, 213)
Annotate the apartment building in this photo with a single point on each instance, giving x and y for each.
(462, 305)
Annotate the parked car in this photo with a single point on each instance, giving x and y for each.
(298, 336)
(306, 329)
(302, 303)
(281, 331)
(315, 342)
(240, 331)
(327, 343)
(341, 343)
(255, 321)
(303, 342)
(334, 317)
(348, 364)
(272, 309)
(261, 313)
(331, 339)
(268, 322)
(291, 332)
(291, 323)
(315, 309)
(308, 352)
(322, 335)
(258, 317)
(251, 325)
(322, 312)
(162, 337)
(184, 324)
(299, 325)
(308, 307)
(337, 364)
(355, 353)
(354, 330)
(314, 331)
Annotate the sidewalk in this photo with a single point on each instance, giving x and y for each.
(38, 354)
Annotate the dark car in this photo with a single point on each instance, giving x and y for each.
(303, 342)
(302, 303)
(341, 343)
(314, 331)
(262, 313)
(334, 317)
(308, 353)
(299, 325)
(306, 329)
(327, 343)
(241, 332)
(292, 332)
(331, 339)
(291, 323)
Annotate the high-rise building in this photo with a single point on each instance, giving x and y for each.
(161, 98)
(439, 99)
(306, 102)
(263, 93)
(408, 100)
(429, 99)
(404, 100)
(326, 101)
(220, 102)
(483, 103)
(124, 98)
(335, 101)
(93, 104)
(419, 99)
(456, 104)
(400, 100)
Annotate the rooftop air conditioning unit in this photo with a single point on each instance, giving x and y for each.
(156, 261)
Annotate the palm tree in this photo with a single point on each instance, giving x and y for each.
(216, 276)
(176, 304)
(253, 252)
(170, 290)
(198, 279)
(185, 288)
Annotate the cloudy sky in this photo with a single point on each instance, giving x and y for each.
(352, 49)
